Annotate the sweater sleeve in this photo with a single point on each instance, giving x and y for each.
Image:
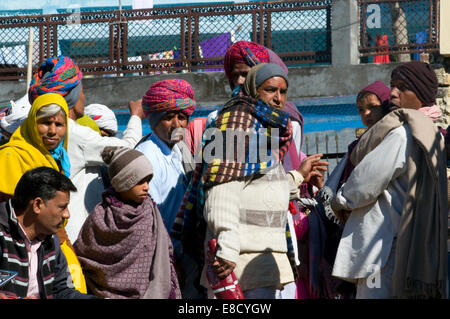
(133, 132)
(374, 173)
(221, 212)
(295, 179)
(92, 144)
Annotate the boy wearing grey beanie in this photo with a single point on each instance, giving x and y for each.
(129, 172)
(124, 246)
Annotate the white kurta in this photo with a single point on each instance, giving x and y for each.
(84, 149)
(169, 181)
(375, 193)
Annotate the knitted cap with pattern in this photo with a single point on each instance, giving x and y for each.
(127, 167)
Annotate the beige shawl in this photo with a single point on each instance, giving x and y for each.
(421, 255)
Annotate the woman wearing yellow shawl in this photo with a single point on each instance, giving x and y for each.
(41, 140)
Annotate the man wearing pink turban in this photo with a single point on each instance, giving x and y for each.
(167, 106)
(174, 96)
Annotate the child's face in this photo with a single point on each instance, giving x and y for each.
(137, 193)
(370, 110)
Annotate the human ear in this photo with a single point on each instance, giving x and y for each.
(36, 205)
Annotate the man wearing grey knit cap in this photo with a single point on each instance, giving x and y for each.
(123, 245)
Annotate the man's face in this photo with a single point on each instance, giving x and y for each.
(273, 91)
(77, 110)
(51, 214)
(370, 110)
(239, 73)
(52, 130)
(401, 96)
(168, 127)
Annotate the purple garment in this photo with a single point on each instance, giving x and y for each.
(215, 47)
(380, 90)
(275, 59)
(116, 249)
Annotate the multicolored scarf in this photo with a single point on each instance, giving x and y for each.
(240, 113)
(169, 95)
(56, 75)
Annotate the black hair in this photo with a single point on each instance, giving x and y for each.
(363, 94)
(41, 182)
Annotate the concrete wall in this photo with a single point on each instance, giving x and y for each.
(212, 88)
(444, 28)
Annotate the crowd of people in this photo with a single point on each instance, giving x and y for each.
(85, 214)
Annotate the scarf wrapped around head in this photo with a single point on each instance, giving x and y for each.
(16, 114)
(57, 75)
(25, 150)
(103, 116)
(381, 91)
(420, 78)
(168, 95)
(249, 53)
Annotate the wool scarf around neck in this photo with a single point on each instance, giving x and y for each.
(240, 113)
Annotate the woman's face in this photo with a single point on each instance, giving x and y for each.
(52, 130)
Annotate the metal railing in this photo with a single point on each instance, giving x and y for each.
(395, 30)
(166, 40)
(329, 144)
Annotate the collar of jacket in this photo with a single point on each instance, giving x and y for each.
(4, 214)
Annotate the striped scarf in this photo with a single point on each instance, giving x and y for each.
(240, 113)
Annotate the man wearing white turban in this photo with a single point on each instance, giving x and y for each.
(104, 117)
(17, 113)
